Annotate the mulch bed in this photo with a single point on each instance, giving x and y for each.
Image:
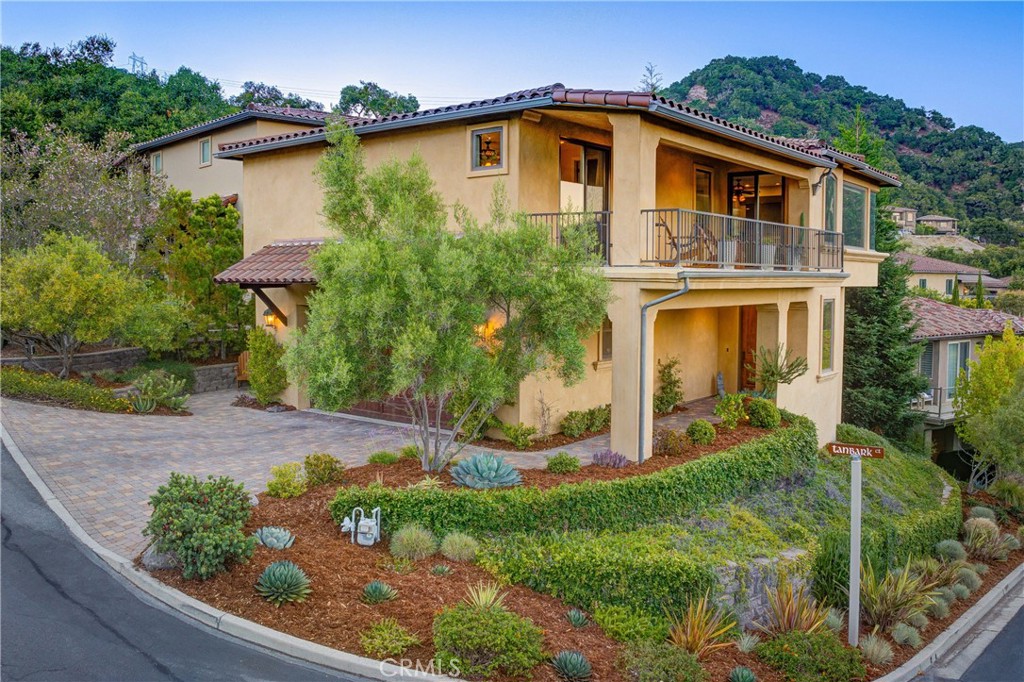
(248, 401)
(334, 615)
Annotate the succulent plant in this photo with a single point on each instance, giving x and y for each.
(485, 471)
(143, 405)
(612, 460)
(906, 635)
(274, 537)
(747, 641)
(876, 650)
(441, 570)
(742, 674)
(283, 581)
(572, 666)
(950, 550)
(427, 483)
(576, 618)
(377, 591)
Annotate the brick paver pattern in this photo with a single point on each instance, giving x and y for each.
(104, 467)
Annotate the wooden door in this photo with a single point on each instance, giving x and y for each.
(748, 345)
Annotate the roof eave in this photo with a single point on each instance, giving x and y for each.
(231, 119)
(863, 168)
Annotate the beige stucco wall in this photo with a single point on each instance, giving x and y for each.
(937, 281)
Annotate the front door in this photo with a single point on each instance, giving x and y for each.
(748, 346)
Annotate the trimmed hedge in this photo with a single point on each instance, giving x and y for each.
(620, 504)
(16, 382)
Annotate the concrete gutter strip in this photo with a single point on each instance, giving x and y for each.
(242, 629)
(949, 637)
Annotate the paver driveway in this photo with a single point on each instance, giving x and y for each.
(104, 467)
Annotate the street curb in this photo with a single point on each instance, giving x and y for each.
(224, 622)
(952, 635)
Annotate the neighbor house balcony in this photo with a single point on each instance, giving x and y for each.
(937, 405)
(681, 237)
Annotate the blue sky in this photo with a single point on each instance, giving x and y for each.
(965, 60)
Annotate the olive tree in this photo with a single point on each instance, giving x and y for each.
(406, 308)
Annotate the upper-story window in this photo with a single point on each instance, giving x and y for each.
(487, 149)
(855, 215)
(158, 163)
(205, 151)
(830, 203)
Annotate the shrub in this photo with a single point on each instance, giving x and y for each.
(669, 442)
(763, 414)
(599, 417)
(961, 591)
(387, 639)
(321, 469)
(286, 481)
(950, 550)
(283, 581)
(742, 674)
(163, 389)
(16, 382)
(487, 642)
(383, 457)
(577, 618)
(982, 513)
(572, 666)
(485, 596)
(518, 434)
(413, 541)
(790, 609)
(201, 522)
(702, 628)
(938, 609)
(701, 432)
(182, 371)
(274, 537)
(812, 656)
(563, 463)
(982, 540)
(267, 377)
(409, 452)
(458, 546)
(747, 642)
(894, 598)
(946, 594)
(670, 386)
(906, 635)
(876, 650)
(624, 624)
(485, 471)
(980, 568)
(730, 409)
(918, 620)
(1009, 492)
(610, 460)
(661, 662)
(574, 424)
(377, 591)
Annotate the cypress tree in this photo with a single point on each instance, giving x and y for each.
(979, 293)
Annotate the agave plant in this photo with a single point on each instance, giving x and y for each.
(486, 596)
(612, 460)
(577, 618)
(283, 581)
(143, 405)
(572, 666)
(274, 537)
(377, 591)
(441, 570)
(702, 628)
(742, 674)
(485, 471)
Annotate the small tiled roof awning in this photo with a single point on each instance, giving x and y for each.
(938, 320)
(275, 265)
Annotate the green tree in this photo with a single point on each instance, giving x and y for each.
(267, 375)
(651, 81)
(369, 100)
(64, 293)
(979, 293)
(189, 244)
(994, 231)
(955, 298)
(980, 393)
(406, 308)
(261, 93)
(858, 138)
(999, 437)
(1010, 302)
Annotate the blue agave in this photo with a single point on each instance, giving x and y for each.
(572, 666)
(485, 471)
(274, 537)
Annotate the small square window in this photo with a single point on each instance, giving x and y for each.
(487, 149)
(158, 163)
(205, 151)
(922, 283)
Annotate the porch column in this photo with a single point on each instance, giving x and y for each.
(624, 314)
(772, 326)
(634, 159)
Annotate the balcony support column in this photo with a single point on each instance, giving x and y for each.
(624, 313)
(633, 183)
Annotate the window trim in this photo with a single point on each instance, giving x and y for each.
(208, 140)
(922, 283)
(830, 341)
(474, 171)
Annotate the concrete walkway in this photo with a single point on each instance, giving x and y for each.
(104, 467)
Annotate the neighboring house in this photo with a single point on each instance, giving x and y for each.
(187, 159)
(942, 276)
(942, 224)
(765, 235)
(951, 335)
(905, 217)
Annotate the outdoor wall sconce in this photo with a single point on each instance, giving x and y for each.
(363, 529)
(269, 318)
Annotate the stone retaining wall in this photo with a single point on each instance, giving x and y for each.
(117, 359)
(742, 587)
(215, 377)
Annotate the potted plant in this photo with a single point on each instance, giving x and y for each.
(767, 248)
(727, 249)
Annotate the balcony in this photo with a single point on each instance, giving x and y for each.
(597, 222)
(683, 238)
(937, 405)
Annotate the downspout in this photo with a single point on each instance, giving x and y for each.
(643, 358)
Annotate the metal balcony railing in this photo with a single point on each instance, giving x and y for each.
(936, 402)
(681, 237)
(597, 222)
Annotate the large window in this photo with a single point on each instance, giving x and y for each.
(830, 203)
(828, 341)
(956, 361)
(855, 210)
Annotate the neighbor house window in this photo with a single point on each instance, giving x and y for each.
(855, 209)
(487, 148)
(956, 361)
(158, 163)
(604, 341)
(828, 341)
(949, 287)
(922, 283)
(205, 152)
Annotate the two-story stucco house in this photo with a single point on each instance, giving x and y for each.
(943, 276)
(942, 224)
(905, 218)
(758, 237)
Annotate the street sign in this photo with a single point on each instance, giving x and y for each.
(855, 450)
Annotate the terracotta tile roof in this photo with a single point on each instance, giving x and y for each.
(934, 265)
(278, 264)
(280, 137)
(937, 320)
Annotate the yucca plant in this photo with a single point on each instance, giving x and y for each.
(486, 596)
(377, 591)
(485, 471)
(792, 609)
(283, 581)
(895, 597)
(572, 666)
(274, 537)
(577, 618)
(742, 674)
(701, 629)
(940, 573)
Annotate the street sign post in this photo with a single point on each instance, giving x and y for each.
(855, 453)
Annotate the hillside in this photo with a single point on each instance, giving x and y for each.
(964, 171)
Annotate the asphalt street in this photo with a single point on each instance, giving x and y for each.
(65, 617)
(1003, 658)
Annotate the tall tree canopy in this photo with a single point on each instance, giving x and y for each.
(370, 100)
(261, 93)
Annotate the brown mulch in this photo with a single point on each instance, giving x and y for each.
(334, 615)
(248, 401)
(408, 471)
